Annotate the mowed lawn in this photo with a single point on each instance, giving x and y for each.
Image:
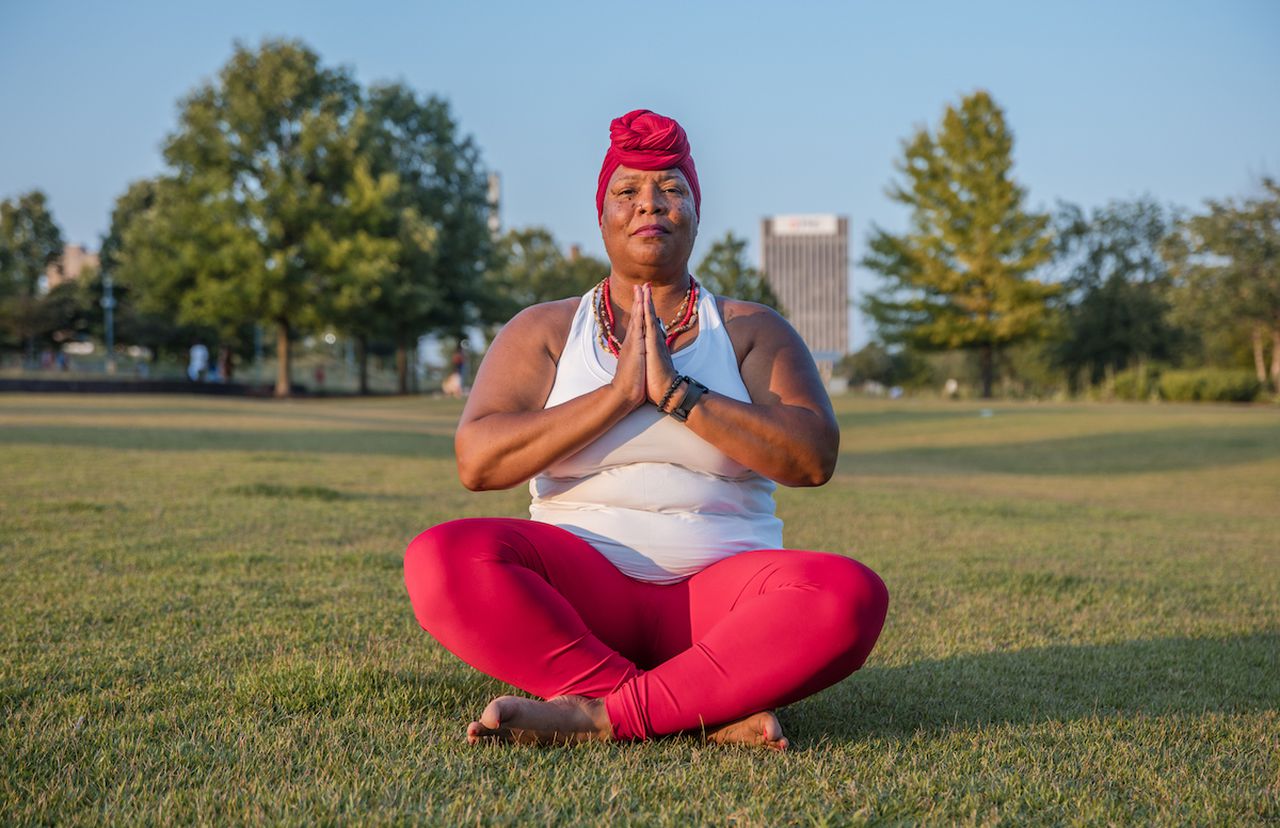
(203, 620)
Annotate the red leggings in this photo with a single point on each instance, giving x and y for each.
(537, 607)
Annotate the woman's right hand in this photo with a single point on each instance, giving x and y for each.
(629, 378)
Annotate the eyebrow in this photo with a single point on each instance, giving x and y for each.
(634, 177)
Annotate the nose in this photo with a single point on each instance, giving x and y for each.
(651, 199)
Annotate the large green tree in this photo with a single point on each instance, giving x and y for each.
(266, 202)
(725, 271)
(440, 225)
(1226, 264)
(143, 316)
(1117, 311)
(30, 241)
(530, 267)
(960, 277)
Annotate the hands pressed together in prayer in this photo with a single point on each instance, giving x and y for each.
(645, 370)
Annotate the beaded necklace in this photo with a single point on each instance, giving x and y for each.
(602, 306)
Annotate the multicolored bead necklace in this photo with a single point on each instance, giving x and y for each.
(686, 316)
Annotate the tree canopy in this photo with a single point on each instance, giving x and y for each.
(264, 198)
(960, 276)
(530, 268)
(439, 222)
(295, 199)
(1117, 310)
(725, 271)
(1226, 264)
(30, 241)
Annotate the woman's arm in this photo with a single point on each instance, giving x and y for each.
(505, 435)
(788, 431)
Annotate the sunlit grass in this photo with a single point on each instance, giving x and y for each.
(203, 620)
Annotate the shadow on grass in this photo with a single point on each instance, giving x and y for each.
(396, 443)
(1170, 449)
(321, 411)
(259, 490)
(1147, 677)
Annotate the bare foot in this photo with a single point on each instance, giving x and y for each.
(757, 729)
(559, 721)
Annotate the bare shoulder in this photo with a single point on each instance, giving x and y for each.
(545, 326)
(750, 324)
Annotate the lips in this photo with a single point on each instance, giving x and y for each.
(651, 230)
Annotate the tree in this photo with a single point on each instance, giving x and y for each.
(1117, 312)
(959, 278)
(30, 242)
(726, 272)
(441, 207)
(874, 363)
(151, 324)
(530, 268)
(1226, 266)
(265, 197)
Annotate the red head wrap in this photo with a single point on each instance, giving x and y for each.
(645, 140)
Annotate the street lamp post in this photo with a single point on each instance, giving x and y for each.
(109, 308)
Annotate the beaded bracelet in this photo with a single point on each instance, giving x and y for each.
(675, 383)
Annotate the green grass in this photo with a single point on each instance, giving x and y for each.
(202, 619)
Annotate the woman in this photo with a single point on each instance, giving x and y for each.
(649, 594)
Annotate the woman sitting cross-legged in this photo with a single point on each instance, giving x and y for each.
(651, 593)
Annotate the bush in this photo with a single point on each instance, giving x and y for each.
(1209, 385)
(1140, 383)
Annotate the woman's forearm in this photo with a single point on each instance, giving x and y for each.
(504, 449)
(794, 445)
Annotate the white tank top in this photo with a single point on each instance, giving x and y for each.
(654, 498)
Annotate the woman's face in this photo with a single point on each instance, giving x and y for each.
(649, 221)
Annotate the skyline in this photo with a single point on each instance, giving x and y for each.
(788, 111)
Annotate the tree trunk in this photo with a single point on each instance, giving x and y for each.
(283, 386)
(988, 370)
(1275, 359)
(402, 368)
(362, 362)
(226, 364)
(1259, 354)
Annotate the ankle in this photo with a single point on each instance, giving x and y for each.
(600, 719)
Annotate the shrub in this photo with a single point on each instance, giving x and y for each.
(1140, 383)
(1209, 385)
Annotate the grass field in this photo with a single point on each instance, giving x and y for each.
(202, 619)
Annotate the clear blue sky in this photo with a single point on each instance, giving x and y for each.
(791, 107)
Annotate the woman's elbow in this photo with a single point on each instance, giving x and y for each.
(480, 474)
(820, 465)
(471, 478)
(817, 475)
(473, 471)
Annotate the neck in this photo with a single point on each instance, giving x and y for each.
(668, 292)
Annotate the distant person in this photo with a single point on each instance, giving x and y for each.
(319, 375)
(651, 594)
(198, 362)
(455, 385)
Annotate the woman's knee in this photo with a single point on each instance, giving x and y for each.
(438, 563)
(852, 602)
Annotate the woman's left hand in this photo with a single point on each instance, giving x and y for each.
(659, 370)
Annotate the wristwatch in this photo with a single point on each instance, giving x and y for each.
(691, 396)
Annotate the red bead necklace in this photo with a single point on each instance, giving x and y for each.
(602, 306)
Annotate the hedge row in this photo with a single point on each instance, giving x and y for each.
(1203, 385)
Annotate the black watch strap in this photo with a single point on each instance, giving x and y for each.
(692, 394)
